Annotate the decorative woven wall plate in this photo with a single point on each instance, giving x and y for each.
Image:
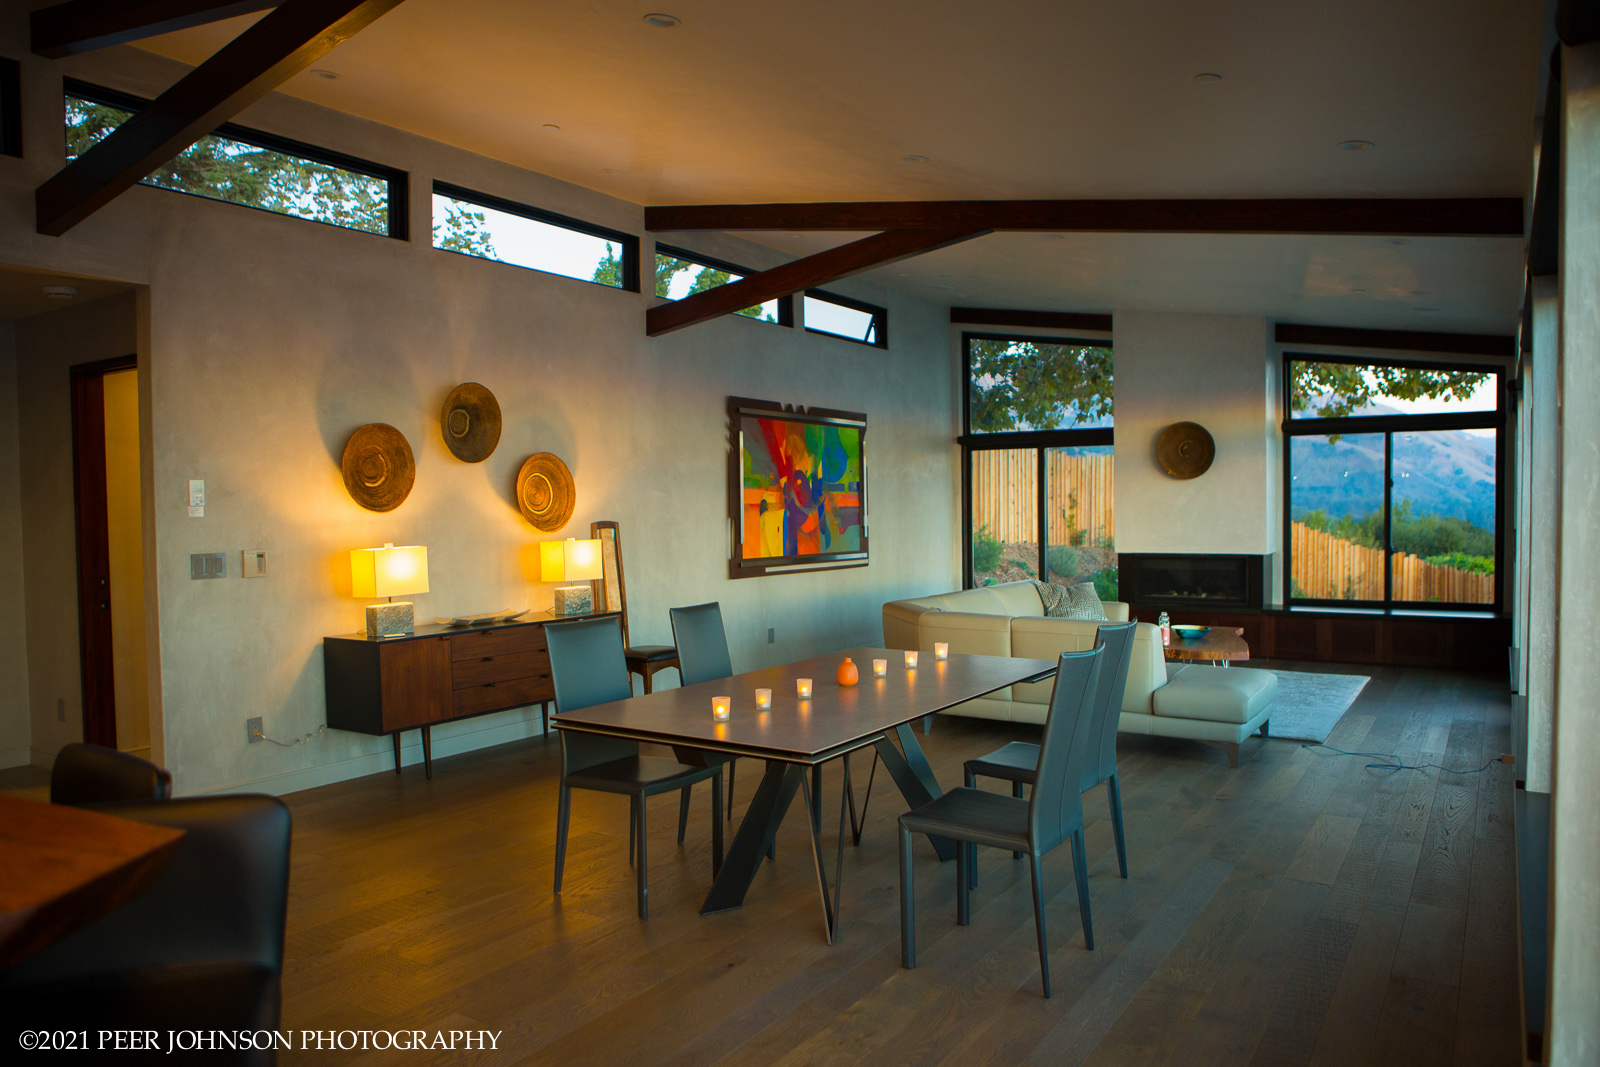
(1185, 450)
(379, 469)
(470, 422)
(545, 492)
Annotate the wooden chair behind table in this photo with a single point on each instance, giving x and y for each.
(611, 594)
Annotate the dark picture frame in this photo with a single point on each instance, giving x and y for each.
(810, 553)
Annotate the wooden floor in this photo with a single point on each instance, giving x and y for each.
(1300, 910)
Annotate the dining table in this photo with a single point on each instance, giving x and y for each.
(798, 734)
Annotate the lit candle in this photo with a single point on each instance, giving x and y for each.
(911, 659)
(763, 698)
(880, 667)
(802, 686)
(721, 707)
(941, 650)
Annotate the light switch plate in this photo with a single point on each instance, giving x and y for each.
(208, 565)
(255, 563)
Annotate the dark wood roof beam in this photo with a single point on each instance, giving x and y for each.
(263, 57)
(85, 25)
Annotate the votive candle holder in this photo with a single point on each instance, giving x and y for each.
(880, 667)
(911, 659)
(721, 708)
(802, 688)
(941, 650)
(763, 699)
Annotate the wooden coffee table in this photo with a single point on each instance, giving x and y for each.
(1220, 646)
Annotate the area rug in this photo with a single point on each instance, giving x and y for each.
(1310, 705)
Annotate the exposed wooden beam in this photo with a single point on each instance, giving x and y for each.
(1050, 320)
(1459, 344)
(85, 25)
(285, 42)
(1491, 217)
(802, 274)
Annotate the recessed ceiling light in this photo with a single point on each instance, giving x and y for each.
(1354, 146)
(551, 126)
(59, 292)
(328, 74)
(663, 22)
(915, 159)
(1208, 77)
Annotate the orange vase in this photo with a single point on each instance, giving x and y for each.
(848, 675)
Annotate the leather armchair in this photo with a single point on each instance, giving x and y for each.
(94, 774)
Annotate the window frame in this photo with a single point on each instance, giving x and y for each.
(399, 181)
(785, 303)
(1039, 440)
(1389, 425)
(628, 243)
(880, 318)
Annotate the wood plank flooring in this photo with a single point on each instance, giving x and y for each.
(1302, 910)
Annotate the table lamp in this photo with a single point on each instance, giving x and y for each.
(571, 561)
(389, 572)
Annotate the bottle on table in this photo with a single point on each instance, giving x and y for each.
(1166, 630)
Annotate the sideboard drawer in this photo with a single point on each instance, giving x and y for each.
(497, 696)
(470, 645)
(465, 673)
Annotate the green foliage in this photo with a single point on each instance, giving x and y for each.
(1345, 388)
(1023, 565)
(1063, 560)
(223, 169)
(464, 230)
(609, 271)
(1427, 535)
(1105, 584)
(985, 551)
(669, 267)
(1018, 384)
(1462, 562)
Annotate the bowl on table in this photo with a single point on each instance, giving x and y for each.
(1190, 633)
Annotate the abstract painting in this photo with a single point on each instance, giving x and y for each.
(802, 488)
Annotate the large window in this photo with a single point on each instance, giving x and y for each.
(680, 274)
(253, 169)
(1393, 484)
(477, 224)
(1039, 466)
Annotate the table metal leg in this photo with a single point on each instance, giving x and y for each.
(912, 774)
(757, 831)
(858, 825)
(830, 905)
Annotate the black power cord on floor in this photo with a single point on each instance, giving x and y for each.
(1400, 765)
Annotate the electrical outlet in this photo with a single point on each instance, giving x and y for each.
(252, 729)
(1506, 757)
(772, 634)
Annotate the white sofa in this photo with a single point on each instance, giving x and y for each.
(1220, 706)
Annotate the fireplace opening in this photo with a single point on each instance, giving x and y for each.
(1191, 581)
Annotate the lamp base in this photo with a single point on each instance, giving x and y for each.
(390, 620)
(573, 600)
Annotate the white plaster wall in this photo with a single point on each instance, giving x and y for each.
(15, 729)
(1209, 369)
(271, 339)
(1543, 533)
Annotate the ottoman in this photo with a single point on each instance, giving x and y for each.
(1223, 705)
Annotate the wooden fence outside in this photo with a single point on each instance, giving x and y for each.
(1080, 492)
(1326, 567)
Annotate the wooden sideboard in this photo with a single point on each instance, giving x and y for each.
(387, 685)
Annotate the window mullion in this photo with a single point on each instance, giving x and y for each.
(1388, 520)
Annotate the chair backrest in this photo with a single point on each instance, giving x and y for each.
(1056, 807)
(587, 667)
(1101, 763)
(702, 643)
(221, 899)
(610, 590)
(93, 774)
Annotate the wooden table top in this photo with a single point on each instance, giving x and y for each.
(837, 719)
(1222, 642)
(61, 868)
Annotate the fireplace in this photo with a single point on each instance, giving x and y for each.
(1174, 581)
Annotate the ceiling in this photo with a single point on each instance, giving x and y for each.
(756, 101)
(22, 292)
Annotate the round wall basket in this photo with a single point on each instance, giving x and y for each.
(545, 492)
(378, 467)
(470, 422)
(1185, 450)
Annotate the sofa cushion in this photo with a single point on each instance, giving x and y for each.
(968, 634)
(1216, 694)
(1045, 638)
(1021, 599)
(976, 601)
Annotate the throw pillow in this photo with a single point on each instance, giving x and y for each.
(1074, 602)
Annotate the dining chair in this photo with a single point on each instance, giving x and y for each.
(1051, 816)
(611, 594)
(587, 668)
(200, 949)
(702, 657)
(1018, 761)
(94, 774)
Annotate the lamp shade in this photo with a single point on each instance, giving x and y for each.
(389, 571)
(569, 561)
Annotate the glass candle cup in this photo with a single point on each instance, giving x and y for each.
(911, 659)
(880, 667)
(802, 688)
(763, 698)
(941, 650)
(721, 708)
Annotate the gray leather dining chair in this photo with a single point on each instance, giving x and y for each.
(1018, 761)
(1051, 816)
(587, 668)
(94, 774)
(702, 643)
